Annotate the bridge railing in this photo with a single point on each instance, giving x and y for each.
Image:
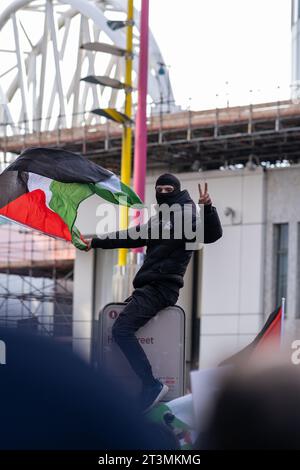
(106, 132)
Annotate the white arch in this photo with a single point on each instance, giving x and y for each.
(156, 87)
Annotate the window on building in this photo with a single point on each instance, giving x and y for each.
(281, 260)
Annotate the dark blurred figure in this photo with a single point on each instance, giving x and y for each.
(259, 410)
(50, 399)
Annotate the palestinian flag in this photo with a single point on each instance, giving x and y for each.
(167, 414)
(269, 334)
(44, 187)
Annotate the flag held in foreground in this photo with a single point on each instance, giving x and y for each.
(270, 334)
(44, 187)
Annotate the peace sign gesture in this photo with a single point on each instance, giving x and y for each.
(204, 197)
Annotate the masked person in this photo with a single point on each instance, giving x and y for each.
(157, 283)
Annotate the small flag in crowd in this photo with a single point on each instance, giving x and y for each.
(270, 334)
(164, 414)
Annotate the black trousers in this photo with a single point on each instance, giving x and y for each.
(144, 303)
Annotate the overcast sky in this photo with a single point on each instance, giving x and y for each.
(207, 43)
(210, 42)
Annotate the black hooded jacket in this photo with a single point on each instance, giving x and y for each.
(166, 260)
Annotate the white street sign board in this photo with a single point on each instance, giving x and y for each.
(163, 341)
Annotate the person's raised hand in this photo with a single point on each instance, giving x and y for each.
(204, 197)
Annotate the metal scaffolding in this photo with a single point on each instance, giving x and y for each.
(36, 281)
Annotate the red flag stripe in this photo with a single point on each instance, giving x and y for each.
(30, 209)
(274, 330)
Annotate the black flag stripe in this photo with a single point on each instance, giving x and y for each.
(12, 185)
(60, 165)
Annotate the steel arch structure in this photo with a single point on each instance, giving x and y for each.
(40, 75)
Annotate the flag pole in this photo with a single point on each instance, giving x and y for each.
(127, 131)
(140, 149)
(282, 320)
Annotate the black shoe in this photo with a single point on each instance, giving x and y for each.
(152, 395)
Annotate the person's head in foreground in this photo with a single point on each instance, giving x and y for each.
(257, 410)
(53, 400)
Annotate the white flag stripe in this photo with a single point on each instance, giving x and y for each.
(112, 184)
(40, 182)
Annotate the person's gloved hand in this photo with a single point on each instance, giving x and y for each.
(204, 197)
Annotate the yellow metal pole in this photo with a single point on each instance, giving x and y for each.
(127, 132)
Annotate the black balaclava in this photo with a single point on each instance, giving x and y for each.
(168, 198)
